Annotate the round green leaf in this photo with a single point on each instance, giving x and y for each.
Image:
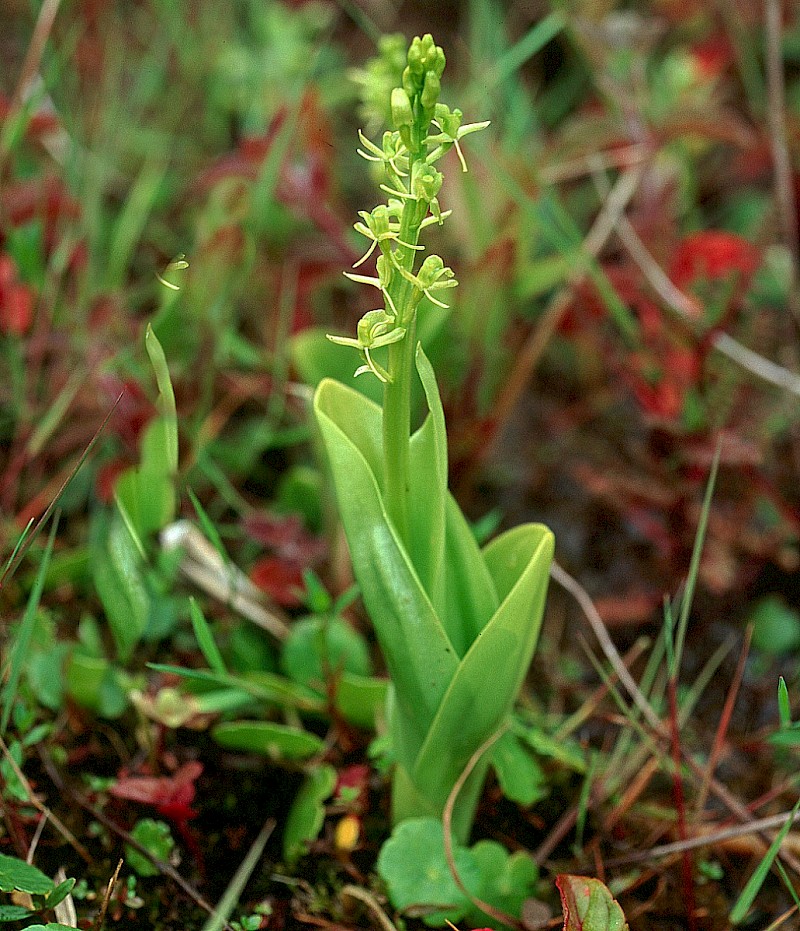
(413, 865)
(17, 875)
(776, 627)
(155, 836)
(507, 880)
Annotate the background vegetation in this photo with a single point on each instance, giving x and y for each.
(626, 243)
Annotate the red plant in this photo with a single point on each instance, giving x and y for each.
(16, 300)
(281, 575)
(171, 796)
(712, 255)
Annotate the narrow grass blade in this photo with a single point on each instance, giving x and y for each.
(205, 639)
(756, 881)
(784, 708)
(209, 529)
(22, 547)
(22, 537)
(25, 636)
(233, 893)
(132, 219)
(531, 43)
(694, 565)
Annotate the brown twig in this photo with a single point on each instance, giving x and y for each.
(99, 920)
(127, 838)
(776, 116)
(30, 65)
(679, 799)
(65, 832)
(707, 839)
(733, 804)
(724, 722)
(685, 306)
(11, 567)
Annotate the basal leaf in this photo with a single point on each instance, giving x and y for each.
(588, 905)
(428, 491)
(471, 598)
(116, 569)
(487, 681)
(278, 741)
(406, 623)
(361, 699)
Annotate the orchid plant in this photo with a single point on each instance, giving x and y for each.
(457, 624)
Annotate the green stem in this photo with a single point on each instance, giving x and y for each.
(397, 393)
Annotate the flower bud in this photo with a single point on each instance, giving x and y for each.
(426, 182)
(430, 90)
(402, 113)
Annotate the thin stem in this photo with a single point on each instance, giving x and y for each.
(397, 429)
(397, 392)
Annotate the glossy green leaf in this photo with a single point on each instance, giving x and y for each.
(470, 594)
(318, 649)
(146, 491)
(264, 686)
(361, 700)
(307, 814)
(277, 741)
(156, 837)
(205, 639)
(50, 926)
(61, 891)
(588, 905)
(167, 451)
(784, 705)
(519, 775)
(15, 913)
(428, 492)
(485, 685)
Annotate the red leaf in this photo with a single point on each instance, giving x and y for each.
(713, 254)
(16, 309)
(281, 579)
(355, 779)
(171, 795)
(588, 905)
(285, 534)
